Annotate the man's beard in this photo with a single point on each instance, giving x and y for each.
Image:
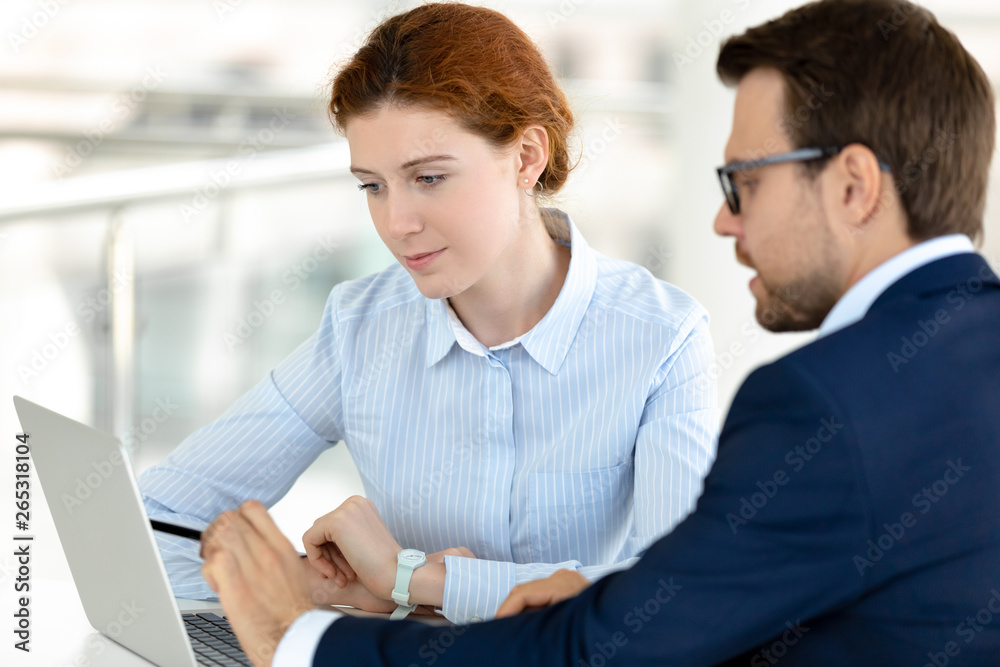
(798, 306)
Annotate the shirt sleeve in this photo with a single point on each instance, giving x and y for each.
(674, 449)
(298, 647)
(254, 451)
(677, 438)
(475, 588)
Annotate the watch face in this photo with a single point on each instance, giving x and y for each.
(411, 555)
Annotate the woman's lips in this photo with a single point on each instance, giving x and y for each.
(423, 260)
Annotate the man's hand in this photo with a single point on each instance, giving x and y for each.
(438, 556)
(543, 592)
(258, 576)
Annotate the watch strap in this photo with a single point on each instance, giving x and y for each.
(401, 612)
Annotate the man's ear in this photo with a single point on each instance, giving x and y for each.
(533, 155)
(858, 188)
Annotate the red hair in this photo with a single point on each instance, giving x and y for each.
(470, 62)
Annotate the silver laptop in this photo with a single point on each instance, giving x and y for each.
(95, 503)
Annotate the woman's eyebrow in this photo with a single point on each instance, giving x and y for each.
(406, 165)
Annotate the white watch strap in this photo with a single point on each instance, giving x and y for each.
(401, 592)
(406, 562)
(401, 612)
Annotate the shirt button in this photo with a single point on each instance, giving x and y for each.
(475, 619)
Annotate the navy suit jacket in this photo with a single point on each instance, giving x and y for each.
(851, 516)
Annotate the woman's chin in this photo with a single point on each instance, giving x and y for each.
(436, 287)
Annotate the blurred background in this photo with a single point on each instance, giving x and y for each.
(175, 207)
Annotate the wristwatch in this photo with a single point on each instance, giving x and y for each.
(407, 561)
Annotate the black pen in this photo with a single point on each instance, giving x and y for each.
(182, 531)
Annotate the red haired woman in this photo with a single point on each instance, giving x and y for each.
(516, 403)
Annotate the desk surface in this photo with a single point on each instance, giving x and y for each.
(61, 636)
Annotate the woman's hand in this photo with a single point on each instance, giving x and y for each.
(324, 591)
(352, 543)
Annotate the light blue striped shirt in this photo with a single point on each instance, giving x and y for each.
(575, 447)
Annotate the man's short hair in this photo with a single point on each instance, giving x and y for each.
(883, 73)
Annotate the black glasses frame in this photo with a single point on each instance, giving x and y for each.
(727, 172)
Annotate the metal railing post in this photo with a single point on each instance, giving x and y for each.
(121, 284)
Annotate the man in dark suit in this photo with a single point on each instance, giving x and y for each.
(850, 517)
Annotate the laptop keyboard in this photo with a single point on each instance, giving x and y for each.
(213, 641)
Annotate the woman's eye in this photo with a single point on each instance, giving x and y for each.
(372, 188)
(430, 180)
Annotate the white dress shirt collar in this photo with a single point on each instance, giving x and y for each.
(858, 299)
(548, 342)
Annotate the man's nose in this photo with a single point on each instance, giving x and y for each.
(726, 224)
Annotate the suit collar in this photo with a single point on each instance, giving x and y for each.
(965, 275)
(853, 305)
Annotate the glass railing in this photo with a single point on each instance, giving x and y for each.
(144, 302)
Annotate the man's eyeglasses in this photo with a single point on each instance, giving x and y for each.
(727, 172)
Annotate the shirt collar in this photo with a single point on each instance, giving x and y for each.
(548, 342)
(856, 301)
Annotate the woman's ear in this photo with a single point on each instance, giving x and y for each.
(532, 155)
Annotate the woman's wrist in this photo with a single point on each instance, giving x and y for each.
(427, 584)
